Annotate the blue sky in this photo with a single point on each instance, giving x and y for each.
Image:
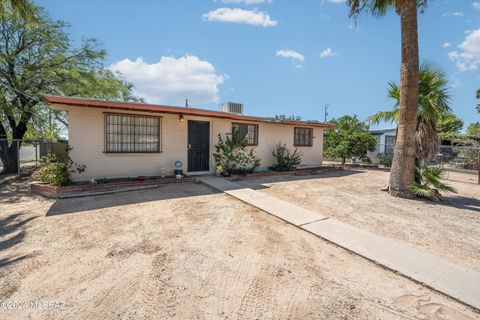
(278, 56)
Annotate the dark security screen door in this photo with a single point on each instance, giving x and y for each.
(198, 145)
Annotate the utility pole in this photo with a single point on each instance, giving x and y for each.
(186, 103)
(326, 111)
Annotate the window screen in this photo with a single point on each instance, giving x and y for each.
(303, 137)
(250, 131)
(131, 133)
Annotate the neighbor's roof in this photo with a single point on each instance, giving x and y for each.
(382, 131)
(105, 104)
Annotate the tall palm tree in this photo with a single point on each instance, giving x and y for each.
(433, 100)
(402, 173)
(24, 8)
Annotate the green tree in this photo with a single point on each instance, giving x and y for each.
(288, 118)
(433, 104)
(478, 98)
(402, 173)
(473, 129)
(37, 60)
(24, 9)
(349, 138)
(449, 126)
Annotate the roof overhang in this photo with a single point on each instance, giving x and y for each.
(144, 107)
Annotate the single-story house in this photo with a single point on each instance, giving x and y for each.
(124, 139)
(385, 142)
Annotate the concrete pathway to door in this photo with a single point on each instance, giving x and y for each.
(455, 281)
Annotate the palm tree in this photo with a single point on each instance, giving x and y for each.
(402, 173)
(433, 105)
(24, 8)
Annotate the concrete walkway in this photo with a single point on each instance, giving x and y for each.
(441, 275)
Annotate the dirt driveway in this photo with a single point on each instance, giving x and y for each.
(449, 230)
(187, 252)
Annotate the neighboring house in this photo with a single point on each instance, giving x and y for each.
(123, 139)
(385, 142)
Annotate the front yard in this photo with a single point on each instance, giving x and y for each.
(187, 252)
(449, 230)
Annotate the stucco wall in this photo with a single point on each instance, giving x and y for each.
(86, 137)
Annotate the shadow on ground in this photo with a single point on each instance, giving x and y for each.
(258, 183)
(12, 232)
(461, 202)
(165, 192)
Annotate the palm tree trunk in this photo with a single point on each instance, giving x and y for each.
(402, 172)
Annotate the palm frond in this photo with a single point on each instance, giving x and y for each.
(428, 182)
(421, 191)
(387, 116)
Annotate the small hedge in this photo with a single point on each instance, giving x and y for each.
(57, 170)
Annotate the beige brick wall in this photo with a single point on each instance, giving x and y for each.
(86, 137)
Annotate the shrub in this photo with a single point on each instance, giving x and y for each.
(428, 183)
(57, 170)
(384, 159)
(286, 160)
(234, 156)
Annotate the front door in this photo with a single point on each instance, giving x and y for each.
(198, 146)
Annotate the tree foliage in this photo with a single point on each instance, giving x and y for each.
(23, 9)
(478, 98)
(378, 7)
(473, 129)
(449, 126)
(433, 104)
(39, 59)
(291, 117)
(349, 138)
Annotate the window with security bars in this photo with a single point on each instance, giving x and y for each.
(248, 131)
(303, 137)
(126, 133)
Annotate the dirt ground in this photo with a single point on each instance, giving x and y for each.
(449, 230)
(187, 252)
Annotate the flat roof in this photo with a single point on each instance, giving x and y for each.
(145, 107)
(383, 131)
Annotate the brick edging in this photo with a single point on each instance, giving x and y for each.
(51, 191)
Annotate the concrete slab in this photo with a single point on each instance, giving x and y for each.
(286, 210)
(219, 183)
(341, 233)
(246, 194)
(411, 262)
(461, 283)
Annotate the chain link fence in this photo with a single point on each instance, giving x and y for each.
(25, 154)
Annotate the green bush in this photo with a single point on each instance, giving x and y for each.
(286, 160)
(57, 170)
(234, 156)
(384, 159)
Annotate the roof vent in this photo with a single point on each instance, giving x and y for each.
(232, 107)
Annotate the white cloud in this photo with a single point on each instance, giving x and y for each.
(291, 54)
(337, 1)
(328, 52)
(468, 57)
(458, 14)
(244, 1)
(446, 44)
(476, 5)
(236, 15)
(172, 80)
